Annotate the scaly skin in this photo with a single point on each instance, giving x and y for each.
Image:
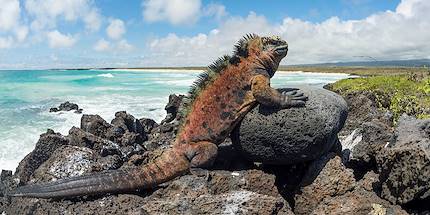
(220, 104)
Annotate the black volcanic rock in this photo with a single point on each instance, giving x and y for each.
(292, 135)
(172, 107)
(66, 106)
(404, 164)
(45, 147)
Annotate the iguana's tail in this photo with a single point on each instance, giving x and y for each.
(169, 165)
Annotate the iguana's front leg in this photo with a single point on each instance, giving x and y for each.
(266, 95)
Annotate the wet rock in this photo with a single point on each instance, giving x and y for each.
(96, 125)
(172, 107)
(45, 147)
(404, 165)
(292, 135)
(66, 106)
(65, 162)
(326, 177)
(359, 202)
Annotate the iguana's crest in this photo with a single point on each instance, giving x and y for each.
(214, 70)
(204, 79)
(241, 47)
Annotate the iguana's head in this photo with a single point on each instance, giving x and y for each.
(268, 50)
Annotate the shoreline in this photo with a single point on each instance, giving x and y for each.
(167, 70)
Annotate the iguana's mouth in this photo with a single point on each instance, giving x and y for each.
(281, 49)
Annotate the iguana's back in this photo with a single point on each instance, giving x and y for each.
(219, 106)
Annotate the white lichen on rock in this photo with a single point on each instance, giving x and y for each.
(234, 202)
(76, 162)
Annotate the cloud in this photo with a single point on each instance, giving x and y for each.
(59, 40)
(9, 14)
(174, 11)
(116, 29)
(46, 13)
(217, 11)
(10, 23)
(122, 46)
(6, 42)
(102, 45)
(399, 34)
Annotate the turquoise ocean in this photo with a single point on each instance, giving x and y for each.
(27, 95)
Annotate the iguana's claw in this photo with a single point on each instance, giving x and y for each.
(293, 99)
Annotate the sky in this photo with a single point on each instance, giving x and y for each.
(40, 34)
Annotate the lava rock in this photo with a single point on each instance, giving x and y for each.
(125, 121)
(325, 177)
(404, 165)
(147, 125)
(45, 147)
(96, 125)
(81, 138)
(66, 106)
(358, 202)
(292, 135)
(362, 108)
(172, 107)
(113, 204)
(363, 144)
(109, 162)
(65, 162)
(225, 193)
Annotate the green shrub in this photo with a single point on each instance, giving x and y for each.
(399, 94)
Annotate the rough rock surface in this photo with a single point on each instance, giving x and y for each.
(325, 177)
(243, 192)
(67, 161)
(397, 172)
(359, 202)
(404, 164)
(361, 147)
(43, 150)
(172, 108)
(292, 135)
(66, 106)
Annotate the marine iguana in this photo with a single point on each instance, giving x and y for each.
(216, 103)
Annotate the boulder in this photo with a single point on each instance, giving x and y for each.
(95, 125)
(45, 147)
(326, 177)
(404, 164)
(65, 162)
(292, 135)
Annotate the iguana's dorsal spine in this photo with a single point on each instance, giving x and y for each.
(214, 70)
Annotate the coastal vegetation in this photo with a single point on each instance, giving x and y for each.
(401, 90)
